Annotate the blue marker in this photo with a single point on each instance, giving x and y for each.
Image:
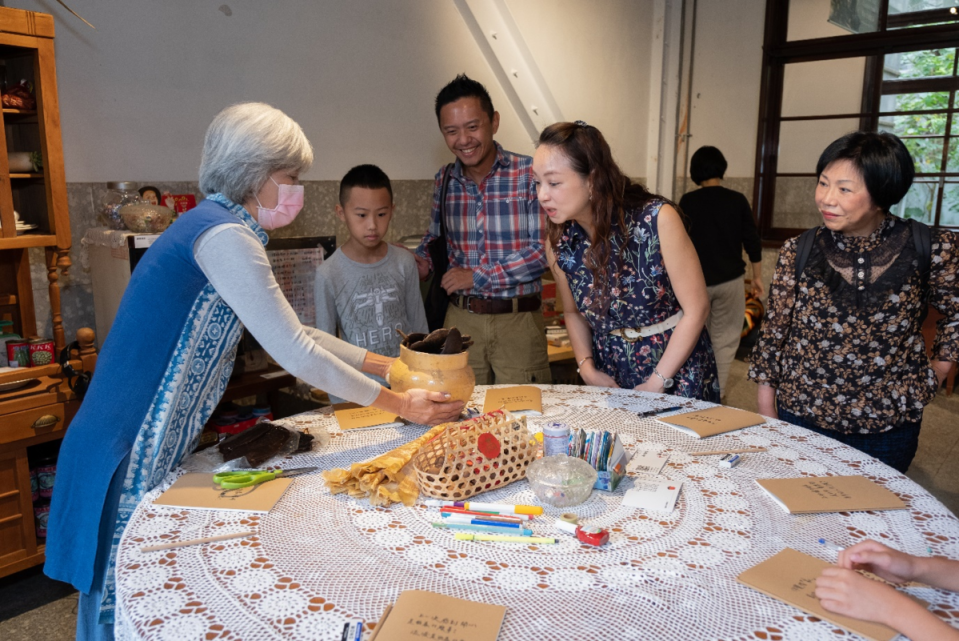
(831, 546)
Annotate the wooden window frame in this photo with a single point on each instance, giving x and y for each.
(778, 52)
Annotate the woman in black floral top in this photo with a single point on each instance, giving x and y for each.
(841, 350)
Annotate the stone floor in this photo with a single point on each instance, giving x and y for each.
(33, 607)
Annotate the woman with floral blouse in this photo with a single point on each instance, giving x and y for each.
(841, 351)
(633, 292)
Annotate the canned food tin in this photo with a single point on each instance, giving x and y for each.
(41, 352)
(18, 351)
(46, 475)
(41, 513)
(34, 488)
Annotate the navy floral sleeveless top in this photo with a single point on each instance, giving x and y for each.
(641, 295)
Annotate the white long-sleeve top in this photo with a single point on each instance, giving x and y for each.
(235, 262)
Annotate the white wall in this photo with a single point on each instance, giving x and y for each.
(360, 76)
(726, 79)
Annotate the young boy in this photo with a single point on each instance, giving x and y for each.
(844, 591)
(368, 289)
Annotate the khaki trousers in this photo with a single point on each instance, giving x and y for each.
(727, 309)
(508, 348)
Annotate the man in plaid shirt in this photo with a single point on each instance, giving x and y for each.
(495, 238)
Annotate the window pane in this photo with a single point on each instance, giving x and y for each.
(908, 6)
(952, 158)
(950, 206)
(801, 142)
(914, 124)
(824, 18)
(921, 101)
(919, 64)
(920, 202)
(926, 152)
(823, 87)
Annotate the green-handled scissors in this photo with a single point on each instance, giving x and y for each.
(245, 478)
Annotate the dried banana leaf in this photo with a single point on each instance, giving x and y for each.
(388, 478)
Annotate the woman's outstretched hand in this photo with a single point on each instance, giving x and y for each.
(430, 408)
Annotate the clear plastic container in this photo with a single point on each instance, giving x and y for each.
(560, 480)
(118, 195)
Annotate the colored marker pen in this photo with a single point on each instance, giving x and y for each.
(504, 539)
(831, 546)
(512, 517)
(480, 515)
(468, 520)
(484, 528)
(487, 507)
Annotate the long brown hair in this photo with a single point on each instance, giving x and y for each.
(611, 194)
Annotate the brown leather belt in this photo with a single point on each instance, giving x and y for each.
(476, 305)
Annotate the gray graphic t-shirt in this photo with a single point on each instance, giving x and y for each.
(366, 304)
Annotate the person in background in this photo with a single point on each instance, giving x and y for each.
(369, 290)
(633, 294)
(170, 352)
(841, 350)
(495, 237)
(845, 591)
(720, 224)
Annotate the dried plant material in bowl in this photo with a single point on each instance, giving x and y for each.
(560, 480)
(143, 218)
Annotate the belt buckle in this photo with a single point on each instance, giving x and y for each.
(626, 337)
(466, 304)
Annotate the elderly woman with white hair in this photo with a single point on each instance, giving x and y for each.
(168, 357)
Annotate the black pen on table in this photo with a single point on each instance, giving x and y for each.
(659, 411)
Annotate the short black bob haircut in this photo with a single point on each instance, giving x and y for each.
(707, 162)
(882, 160)
(462, 86)
(367, 176)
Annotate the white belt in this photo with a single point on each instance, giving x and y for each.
(633, 334)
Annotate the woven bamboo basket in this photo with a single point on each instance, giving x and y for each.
(453, 468)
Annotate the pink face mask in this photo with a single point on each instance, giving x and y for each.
(289, 202)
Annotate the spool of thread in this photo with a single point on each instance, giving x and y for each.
(569, 517)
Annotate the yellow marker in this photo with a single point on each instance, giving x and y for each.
(504, 538)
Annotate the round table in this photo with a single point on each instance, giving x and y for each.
(319, 560)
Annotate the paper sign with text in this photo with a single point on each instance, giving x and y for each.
(715, 420)
(656, 496)
(811, 494)
(419, 615)
(351, 416)
(200, 492)
(790, 576)
(647, 462)
(518, 398)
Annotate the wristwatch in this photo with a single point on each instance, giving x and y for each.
(667, 382)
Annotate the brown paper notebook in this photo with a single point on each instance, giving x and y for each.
(810, 494)
(514, 399)
(351, 416)
(419, 614)
(715, 420)
(790, 576)
(198, 491)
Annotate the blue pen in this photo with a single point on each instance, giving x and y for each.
(831, 546)
(483, 528)
(459, 518)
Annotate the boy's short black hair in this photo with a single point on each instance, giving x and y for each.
(707, 162)
(881, 158)
(368, 176)
(462, 86)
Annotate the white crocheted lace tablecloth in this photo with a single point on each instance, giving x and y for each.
(319, 560)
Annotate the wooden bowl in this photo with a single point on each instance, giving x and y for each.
(434, 372)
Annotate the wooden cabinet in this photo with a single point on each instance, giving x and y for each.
(36, 404)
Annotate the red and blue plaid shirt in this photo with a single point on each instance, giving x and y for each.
(494, 228)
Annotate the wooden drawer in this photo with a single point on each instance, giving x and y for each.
(23, 425)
